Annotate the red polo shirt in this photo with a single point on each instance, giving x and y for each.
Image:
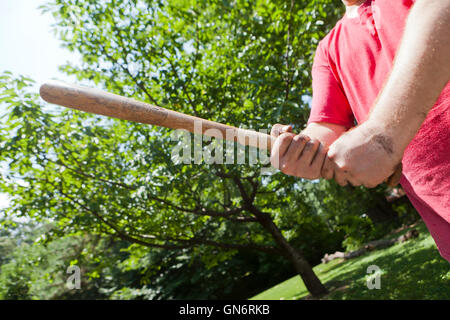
(350, 67)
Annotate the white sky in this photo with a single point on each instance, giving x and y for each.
(27, 44)
(28, 47)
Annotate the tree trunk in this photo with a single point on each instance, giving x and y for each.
(301, 265)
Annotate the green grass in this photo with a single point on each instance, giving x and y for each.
(409, 270)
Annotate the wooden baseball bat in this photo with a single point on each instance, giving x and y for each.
(112, 105)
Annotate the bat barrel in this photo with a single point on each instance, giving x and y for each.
(100, 102)
(112, 105)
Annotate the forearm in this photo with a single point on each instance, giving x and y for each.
(420, 72)
(326, 133)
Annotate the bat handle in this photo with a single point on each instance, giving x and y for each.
(394, 179)
(251, 138)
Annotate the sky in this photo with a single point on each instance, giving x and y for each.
(28, 47)
(27, 44)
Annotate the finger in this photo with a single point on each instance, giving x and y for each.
(370, 185)
(327, 169)
(340, 176)
(279, 148)
(352, 181)
(309, 152)
(319, 158)
(296, 147)
(333, 156)
(278, 129)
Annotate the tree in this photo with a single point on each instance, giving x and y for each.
(244, 63)
(34, 266)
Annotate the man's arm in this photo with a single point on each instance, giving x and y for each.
(369, 153)
(303, 155)
(421, 70)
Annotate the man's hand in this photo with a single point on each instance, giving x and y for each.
(366, 155)
(296, 155)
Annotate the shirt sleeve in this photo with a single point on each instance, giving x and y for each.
(329, 103)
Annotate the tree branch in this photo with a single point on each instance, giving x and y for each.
(183, 243)
(228, 214)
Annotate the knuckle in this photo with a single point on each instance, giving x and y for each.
(309, 145)
(298, 139)
(315, 143)
(301, 138)
(285, 139)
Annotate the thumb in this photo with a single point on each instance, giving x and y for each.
(278, 129)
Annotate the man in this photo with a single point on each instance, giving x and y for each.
(385, 65)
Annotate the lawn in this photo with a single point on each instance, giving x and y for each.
(409, 270)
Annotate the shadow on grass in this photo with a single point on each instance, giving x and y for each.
(412, 271)
(409, 270)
